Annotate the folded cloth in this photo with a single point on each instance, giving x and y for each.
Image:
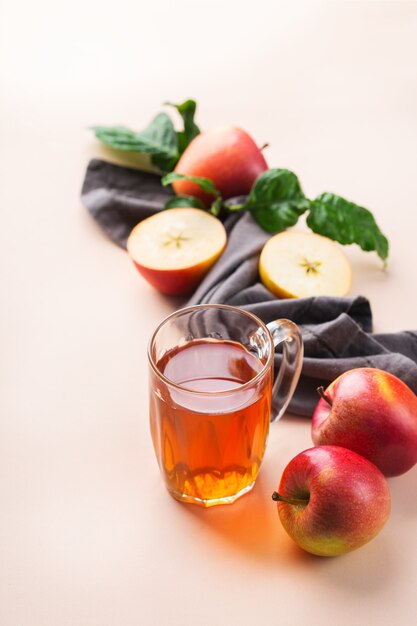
(337, 332)
(118, 197)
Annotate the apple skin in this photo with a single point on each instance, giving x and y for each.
(226, 155)
(346, 500)
(373, 413)
(177, 282)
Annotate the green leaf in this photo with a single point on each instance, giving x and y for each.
(184, 201)
(346, 222)
(159, 140)
(187, 111)
(161, 133)
(276, 200)
(204, 183)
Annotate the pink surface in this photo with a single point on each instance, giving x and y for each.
(88, 534)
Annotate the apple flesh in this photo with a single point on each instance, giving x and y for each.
(174, 249)
(331, 500)
(226, 155)
(373, 413)
(294, 264)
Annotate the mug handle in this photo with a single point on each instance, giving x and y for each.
(286, 332)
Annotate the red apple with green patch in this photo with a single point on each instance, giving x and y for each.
(332, 500)
(373, 413)
(228, 156)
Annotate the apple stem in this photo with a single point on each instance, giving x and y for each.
(278, 497)
(324, 396)
(266, 145)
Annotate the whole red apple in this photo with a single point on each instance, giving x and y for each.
(226, 155)
(331, 500)
(373, 413)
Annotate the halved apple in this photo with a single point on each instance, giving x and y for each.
(175, 248)
(294, 264)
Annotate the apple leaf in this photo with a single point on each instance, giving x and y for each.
(187, 111)
(184, 201)
(276, 200)
(159, 140)
(346, 222)
(204, 183)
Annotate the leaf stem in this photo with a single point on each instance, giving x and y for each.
(234, 207)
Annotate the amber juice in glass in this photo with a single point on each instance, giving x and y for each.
(208, 449)
(211, 375)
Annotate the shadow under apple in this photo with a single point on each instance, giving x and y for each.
(252, 528)
(403, 489)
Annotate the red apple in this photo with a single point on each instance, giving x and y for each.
(331, 500)
(373, 413)
(175, 248)
(226, 155)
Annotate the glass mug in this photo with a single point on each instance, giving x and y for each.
(212, 397)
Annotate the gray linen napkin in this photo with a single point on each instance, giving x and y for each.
(337, 332)
(120, 197)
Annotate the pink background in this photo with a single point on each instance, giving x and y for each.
(88, 535)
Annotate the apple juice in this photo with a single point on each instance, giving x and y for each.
(210, 427)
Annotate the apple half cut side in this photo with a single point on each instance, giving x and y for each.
(174, 249)
(295, 264)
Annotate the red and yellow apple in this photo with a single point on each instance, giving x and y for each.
(373, 413)
(226, 155)
(174, 249)
(331, 500)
